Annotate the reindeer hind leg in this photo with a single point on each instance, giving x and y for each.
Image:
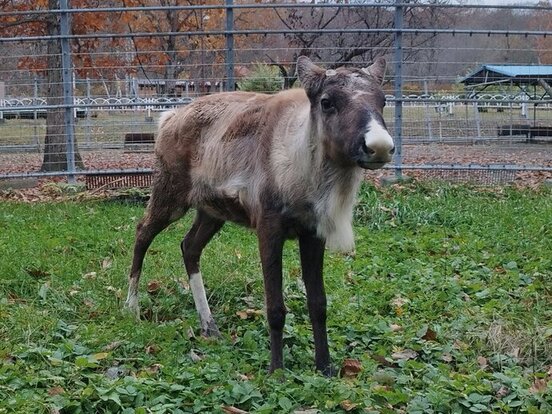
(161, 211)
(202, 231)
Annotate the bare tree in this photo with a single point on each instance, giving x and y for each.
(338, 48)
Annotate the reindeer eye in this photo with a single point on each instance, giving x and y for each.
(327, 105)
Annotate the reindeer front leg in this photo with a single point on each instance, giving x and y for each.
(271, 242)
(312, 259)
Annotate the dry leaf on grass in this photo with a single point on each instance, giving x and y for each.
(153, 287)
(539, 386)
(233, 410)
(249, 313)
(347, 405)
(350, 368)
(482, 361)
(55, 391)
(404, 355)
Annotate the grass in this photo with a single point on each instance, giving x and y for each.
(446, 306)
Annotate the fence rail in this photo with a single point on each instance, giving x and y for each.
(215, 47)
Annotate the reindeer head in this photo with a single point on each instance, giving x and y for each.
(347, 112)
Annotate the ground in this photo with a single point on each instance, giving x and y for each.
(539, 155)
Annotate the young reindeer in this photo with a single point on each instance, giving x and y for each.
(287, 165)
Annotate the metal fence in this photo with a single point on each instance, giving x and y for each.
(81, 88)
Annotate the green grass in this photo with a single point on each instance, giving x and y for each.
(447, 306)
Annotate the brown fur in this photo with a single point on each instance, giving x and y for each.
(286, 165)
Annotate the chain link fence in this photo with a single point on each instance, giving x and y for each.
(468, 86)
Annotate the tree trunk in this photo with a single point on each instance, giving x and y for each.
(55, 141)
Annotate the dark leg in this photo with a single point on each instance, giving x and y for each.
(202, 231)
(271, 242)
(159, 214)
(312, 259)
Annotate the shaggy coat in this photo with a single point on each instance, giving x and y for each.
(287, 165)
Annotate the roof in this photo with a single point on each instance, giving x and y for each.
(518, 74)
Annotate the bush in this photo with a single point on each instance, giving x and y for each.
(263, 78)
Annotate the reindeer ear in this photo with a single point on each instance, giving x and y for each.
(376, 70)
(310, 75)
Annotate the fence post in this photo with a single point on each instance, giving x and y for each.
(229, 45)
(67, 79)
(88, 112)
(428, 112)
(477, 123)
(36, 141)
(398, 86)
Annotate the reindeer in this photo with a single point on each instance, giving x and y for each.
(287, 165)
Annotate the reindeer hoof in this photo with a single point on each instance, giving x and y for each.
(329, 371)
(132, 308)
(209, 329)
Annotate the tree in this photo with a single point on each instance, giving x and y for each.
(55, 146)
(47, 61)
(339, 48)
(173, 55)
(542, 20)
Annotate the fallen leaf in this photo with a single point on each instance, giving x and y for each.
(153, 287)
(447, 357)
(55, 391)
(514, 352)
(538, 386)
(459, 345)
(233, 410)
(307, 411)
(395, 328)
(99, 356)
(249, 313)
(154, 369)
(113, 345)
(502, 392)
(347, 405)
(88, 302)
(430, 335)
(482, 361)
(152, 349)
(37, 273)
(398, 301)
(90, 275)
(117, 292)
(195, 357)
(107, 263)
(350, 368)
(405, 354)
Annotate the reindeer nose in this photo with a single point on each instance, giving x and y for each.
(377, 146)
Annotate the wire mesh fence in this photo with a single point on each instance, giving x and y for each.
(82, 87)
